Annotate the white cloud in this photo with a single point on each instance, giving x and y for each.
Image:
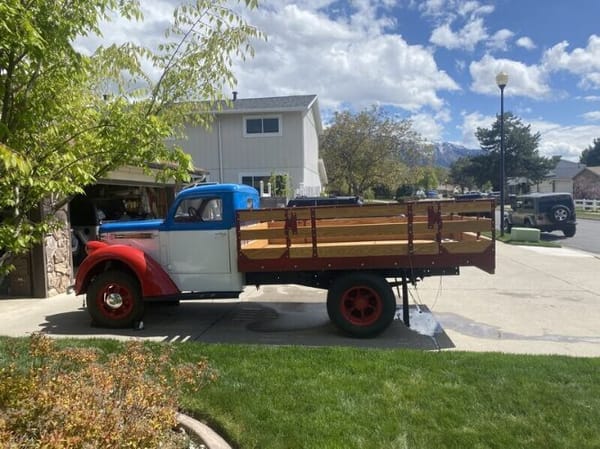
(592, 116)
(526, 42)
(472, 121)
(450, 8)
(567, 141)
(581, 61)
(344, 61)
(431, 127)
(499, 41)
(466, 38)
(524, 80)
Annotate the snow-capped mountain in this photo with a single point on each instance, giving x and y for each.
(445, 153)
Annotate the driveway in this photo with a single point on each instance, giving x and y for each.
(541, 300)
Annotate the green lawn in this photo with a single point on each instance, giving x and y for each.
(297, 397)
(587, 214)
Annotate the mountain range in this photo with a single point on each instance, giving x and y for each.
(445, 153)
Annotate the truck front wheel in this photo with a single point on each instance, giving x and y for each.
(361, 304)
(114, 300)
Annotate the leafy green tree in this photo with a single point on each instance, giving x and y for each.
(521, 156)
(369, 151)
(68, 119)
(463, 173)
(591, 155)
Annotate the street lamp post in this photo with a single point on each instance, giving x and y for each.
(502, 81)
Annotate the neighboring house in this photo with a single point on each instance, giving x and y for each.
(586, 184)
(257, 138)
(560, 179)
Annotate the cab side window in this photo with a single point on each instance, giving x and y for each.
(213, 210)
(192, 210)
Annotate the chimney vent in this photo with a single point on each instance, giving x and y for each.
(235, 95)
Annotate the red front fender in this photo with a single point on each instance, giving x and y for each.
(154, 281)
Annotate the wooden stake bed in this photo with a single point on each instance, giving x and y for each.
(410, 235)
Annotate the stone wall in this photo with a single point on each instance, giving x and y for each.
(59, 268)
(58, 260)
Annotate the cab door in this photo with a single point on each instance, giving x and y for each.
(196, 246)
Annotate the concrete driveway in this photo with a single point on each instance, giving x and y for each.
(541, 300)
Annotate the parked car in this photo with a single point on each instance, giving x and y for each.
(545, 211)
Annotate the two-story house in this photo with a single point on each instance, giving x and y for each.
(254, 139)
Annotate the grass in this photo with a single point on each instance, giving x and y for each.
(507, 239)
(587, 214)
(298, 397)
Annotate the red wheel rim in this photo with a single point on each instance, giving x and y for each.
(115, 301)
(361, 306)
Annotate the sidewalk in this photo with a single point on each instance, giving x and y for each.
(541, 300)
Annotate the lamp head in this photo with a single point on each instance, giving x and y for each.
(502, 79)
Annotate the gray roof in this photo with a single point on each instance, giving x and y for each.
(270, 105)
(565, 170)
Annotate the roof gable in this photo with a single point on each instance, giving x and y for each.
(594, 170)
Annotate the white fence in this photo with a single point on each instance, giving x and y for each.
(589, 205)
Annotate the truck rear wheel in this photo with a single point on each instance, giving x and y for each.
(114, 300)
(361, 304)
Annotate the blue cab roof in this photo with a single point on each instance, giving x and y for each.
(216, 188)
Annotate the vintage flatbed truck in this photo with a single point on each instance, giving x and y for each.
(215, 241)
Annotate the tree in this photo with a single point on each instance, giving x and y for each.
(462, 173)
(67, 119)
(521, 156)
(367, 151)
(591, 155)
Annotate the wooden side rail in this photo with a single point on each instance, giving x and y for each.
(332, 232)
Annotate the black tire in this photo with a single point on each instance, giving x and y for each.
(560, 213)
(361, 304)
(569, 231)
(114, 300)
(77, 250)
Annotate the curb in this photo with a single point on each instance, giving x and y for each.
(211, 439)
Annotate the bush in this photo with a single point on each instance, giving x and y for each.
(80, 398)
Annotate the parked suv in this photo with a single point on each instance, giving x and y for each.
(545, 211)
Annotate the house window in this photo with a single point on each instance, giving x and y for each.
(254, 181)
(262, 126)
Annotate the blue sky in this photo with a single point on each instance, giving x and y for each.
(432, 61)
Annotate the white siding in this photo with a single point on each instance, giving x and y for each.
(228, 154)
(242, 155)
(311, 180)
(556, 185)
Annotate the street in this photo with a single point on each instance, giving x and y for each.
(587, 237)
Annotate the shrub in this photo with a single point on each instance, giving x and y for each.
(73, 398)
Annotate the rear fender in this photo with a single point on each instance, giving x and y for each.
(154, 281)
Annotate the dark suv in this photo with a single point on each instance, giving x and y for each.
(545, 211)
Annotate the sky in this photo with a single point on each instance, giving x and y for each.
(431, 61)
